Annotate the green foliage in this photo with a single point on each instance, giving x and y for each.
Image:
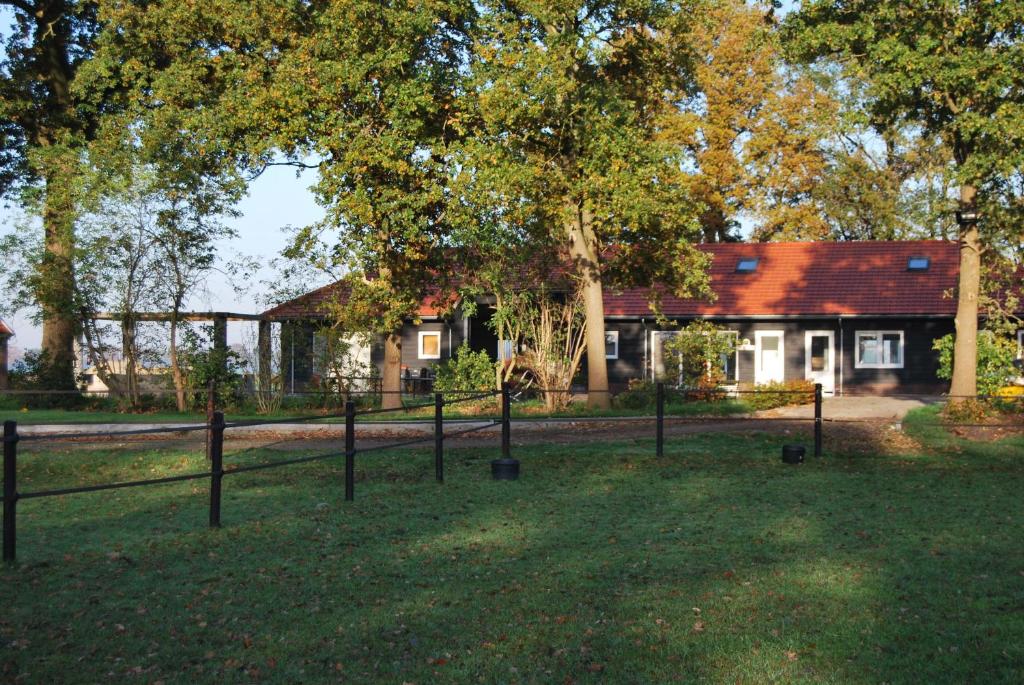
(466, 370)
(639, 394)
(34, 372)
(950, 70)
(996, 354)
(699, 350)
(773, 395)
(204, 365)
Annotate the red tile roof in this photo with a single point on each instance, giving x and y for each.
(852, 278)
(316, 303)
(5, 330)
(869, 277)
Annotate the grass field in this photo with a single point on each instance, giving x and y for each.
(716, 563)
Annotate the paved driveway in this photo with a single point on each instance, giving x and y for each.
(879, 408)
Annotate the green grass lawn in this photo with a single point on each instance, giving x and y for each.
(716, 563)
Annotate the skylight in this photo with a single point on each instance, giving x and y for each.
(746, 265)
(918, 263)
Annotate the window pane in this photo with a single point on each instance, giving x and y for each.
(819, 352)
(891, 348)
(770, 343)
(431, 345)
(867, 349)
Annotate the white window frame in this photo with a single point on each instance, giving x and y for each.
(878, 335)
(615, 335)
(735, 356)
(1020, 344)
(419, 348)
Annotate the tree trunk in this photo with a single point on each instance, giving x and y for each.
(583, 250)
(55, 290)
(965, 348)
(391, 383)
(128, 348)
(179, 380)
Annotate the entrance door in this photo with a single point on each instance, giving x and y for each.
(769, 357)
(819, 359)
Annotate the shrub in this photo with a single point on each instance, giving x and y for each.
(466, 370)
(698, 351)
(33, 372)
(640, 394)
(996, 355)
(774, 395)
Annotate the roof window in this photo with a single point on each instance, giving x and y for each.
(746, 265)
(918, 263)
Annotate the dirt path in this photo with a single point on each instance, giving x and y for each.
(870, 435)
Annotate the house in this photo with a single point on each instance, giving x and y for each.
(6, 333)
(853, 316)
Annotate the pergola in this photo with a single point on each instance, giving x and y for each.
(220, 330)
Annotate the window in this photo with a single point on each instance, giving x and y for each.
(746, 265)
(918, 263)
(430, 345)
(506, 350)
(879, 350)
(1020, 344)
(611, 344)
(730, 361)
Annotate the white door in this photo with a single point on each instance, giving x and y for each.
(769, 357)
(819, 359)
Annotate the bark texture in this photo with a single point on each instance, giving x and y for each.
(584, 252)
(965, 348)
(392, 376)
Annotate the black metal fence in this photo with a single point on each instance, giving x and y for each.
(216, 426)
(215, 429)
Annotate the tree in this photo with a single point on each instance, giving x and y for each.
(952, 70)
(570, 104)
(753, 127)
(44, 126)
(361, 90)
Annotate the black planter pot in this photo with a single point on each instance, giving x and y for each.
(793, 454)
(505, 469)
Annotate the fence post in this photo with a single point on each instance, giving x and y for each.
(10, 488)
(660, 422)
(817, 419)
(439, 437)
(506, 422)
(350, 450)
(216, 442)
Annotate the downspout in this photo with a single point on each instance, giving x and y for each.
(643, 322)
(451, 352)
(842, 356)
(292, 327)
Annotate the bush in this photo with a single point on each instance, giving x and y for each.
(34, 372)
(467, 370)
(640, 394)
(698, 351)
(774, 395)
(996, 354)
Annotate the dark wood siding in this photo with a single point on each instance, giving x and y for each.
(917, 374)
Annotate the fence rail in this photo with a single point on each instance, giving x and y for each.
(216, 427)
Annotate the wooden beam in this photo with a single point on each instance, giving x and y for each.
(4, 379)
(182, 316)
